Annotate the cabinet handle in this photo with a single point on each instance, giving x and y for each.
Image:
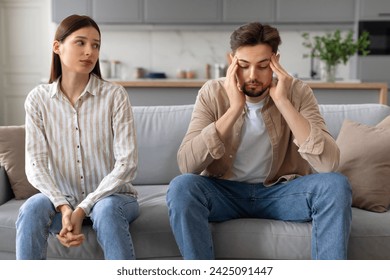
(384, 14)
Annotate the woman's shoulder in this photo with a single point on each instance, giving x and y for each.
(107, 86)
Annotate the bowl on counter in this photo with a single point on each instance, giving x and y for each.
(156, 75)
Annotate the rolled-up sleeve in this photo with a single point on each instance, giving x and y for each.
(201, 144)
(320, 148)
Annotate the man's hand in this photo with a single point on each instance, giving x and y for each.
(299, 126)
(237, 100)
(232, 87)
(278, 91)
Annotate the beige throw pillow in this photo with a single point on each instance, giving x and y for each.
(365, 160)
(12, 158)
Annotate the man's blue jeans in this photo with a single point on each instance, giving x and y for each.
(324, 199)
(111, 218)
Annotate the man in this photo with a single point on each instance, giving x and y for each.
(258, 147)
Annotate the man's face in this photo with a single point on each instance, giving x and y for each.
(254, 73)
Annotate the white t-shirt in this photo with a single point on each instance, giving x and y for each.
(254, 155)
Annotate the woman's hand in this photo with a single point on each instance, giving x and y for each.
(70, 234)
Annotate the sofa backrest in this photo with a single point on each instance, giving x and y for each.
(160, 130)
(369, 114)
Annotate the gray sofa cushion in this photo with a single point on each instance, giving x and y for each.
(369, 114)
(160, 130)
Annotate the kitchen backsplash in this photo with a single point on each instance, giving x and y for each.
(173, 51)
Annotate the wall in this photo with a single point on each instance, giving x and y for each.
(26, 34)
(168, 51)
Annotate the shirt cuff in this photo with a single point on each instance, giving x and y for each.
(314, 144)
(213, 143)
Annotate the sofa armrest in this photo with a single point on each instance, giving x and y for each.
(5, 187)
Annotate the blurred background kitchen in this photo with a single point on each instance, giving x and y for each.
(181, 41)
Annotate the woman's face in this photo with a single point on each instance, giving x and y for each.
(79, 52)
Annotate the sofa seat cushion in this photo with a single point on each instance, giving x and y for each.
(370, 235)
(234, 239)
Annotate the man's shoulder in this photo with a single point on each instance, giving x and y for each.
(213, 89)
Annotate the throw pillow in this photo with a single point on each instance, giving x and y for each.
(365, 160)
(12, 158)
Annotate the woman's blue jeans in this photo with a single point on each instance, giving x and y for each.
(323, 199)
(111, 218)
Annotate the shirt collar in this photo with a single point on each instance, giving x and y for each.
(55, 90)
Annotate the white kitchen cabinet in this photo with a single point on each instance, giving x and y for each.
(183, 11)
(242, 11)
(374, 10)
(315, 11)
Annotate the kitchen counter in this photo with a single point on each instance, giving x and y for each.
(195, 84)
(163, 83)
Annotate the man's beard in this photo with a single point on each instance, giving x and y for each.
(253, 93)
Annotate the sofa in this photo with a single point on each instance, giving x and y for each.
(160, 130)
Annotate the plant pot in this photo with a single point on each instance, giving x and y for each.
(328, 72)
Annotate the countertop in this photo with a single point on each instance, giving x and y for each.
(314, 84)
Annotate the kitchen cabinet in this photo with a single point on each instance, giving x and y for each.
(315, 11)
(202, 12)
(64, 8)
(243, 11)
(182, 11)
(374, 68)
(374, 10)
(103, 11)
(117, 11)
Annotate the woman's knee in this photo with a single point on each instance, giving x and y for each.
(37, 205)
(114, 206)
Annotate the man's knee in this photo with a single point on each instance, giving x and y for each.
(184, 189)
(338, 186)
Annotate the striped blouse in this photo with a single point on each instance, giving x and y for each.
(79, 154)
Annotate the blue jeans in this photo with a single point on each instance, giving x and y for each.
(323, 199)
(111, 218)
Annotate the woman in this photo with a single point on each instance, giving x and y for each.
(81, 151)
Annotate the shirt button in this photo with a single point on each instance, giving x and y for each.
(82, 177)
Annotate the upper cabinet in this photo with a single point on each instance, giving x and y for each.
(200, 12)
(235, 11)
(117, 11)
(374, 9)
(64, 8)
(103, 11)
(182, 11)
(316, 11)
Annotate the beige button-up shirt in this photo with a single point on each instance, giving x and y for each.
(203, 152)
(79, 154)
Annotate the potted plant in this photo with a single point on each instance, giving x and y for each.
(333, 49)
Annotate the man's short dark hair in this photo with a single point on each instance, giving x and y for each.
(255, 33)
